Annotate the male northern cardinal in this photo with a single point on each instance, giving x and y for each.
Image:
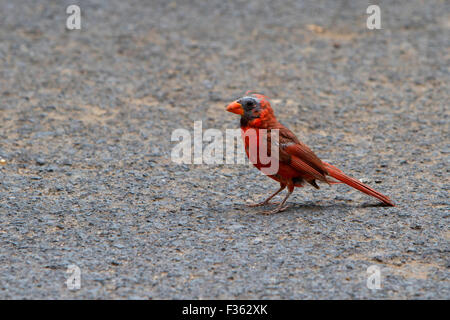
(297, 163)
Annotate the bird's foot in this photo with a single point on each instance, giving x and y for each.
(253, 205)
(277, 210)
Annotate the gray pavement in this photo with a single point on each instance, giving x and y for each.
(86, 118)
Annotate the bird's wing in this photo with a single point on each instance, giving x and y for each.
(299, 156)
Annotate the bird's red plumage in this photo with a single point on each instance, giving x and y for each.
(297, 162)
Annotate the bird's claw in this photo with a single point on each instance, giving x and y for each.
(253, 205)
(260, 204)
(277, 210)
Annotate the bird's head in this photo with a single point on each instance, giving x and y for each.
(254, 109)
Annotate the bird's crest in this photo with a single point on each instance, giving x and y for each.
(256, 94)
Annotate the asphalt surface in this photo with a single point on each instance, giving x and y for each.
(86, 118)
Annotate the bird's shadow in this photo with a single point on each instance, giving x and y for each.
(311, 207)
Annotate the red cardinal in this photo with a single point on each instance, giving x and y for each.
(297, 163)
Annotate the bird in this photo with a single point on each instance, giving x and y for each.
(298, 164)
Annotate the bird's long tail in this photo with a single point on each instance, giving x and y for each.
(339, 175)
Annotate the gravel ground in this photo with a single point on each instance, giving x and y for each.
(85, 125)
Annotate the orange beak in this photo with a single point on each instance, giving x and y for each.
(235, 107)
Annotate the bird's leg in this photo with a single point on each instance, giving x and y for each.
(280, 208)
(282, 186)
